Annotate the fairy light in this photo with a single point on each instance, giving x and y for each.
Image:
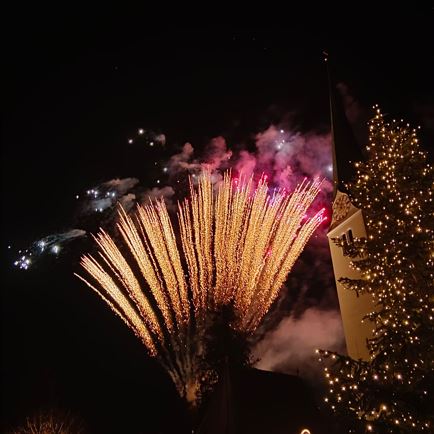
(394, 188)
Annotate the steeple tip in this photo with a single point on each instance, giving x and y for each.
(346, 151)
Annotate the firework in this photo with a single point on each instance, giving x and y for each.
(104, 197)
(49, 245)
(237, 243)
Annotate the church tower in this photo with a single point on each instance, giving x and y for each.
(347, 223)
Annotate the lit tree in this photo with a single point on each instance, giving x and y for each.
(393, 391)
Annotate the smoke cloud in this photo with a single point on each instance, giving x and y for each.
(290, 347)
(356, 114)
(127, 201)
(121, 186)
(182, 161)
(284, 155)
(105, 196)
(167, 193)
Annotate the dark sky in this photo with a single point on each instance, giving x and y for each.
(74, 90)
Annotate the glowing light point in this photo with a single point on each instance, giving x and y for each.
(55, 249)
(141, 131)
(165, 169)
(77, 196)
(130, 141)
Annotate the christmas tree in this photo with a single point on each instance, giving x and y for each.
(393, 391)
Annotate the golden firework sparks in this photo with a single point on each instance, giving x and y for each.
(237, 244)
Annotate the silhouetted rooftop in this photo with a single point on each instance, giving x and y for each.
(254, 401)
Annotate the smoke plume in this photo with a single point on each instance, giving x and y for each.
(290, 347)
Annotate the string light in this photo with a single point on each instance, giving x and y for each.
(394, 188)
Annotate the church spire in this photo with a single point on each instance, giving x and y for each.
(346, 150)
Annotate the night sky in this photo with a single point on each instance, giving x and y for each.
(76, 91)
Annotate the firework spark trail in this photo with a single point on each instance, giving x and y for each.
(237, 245)
(132, 238)
(117, 301)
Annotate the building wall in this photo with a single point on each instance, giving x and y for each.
(353, 306)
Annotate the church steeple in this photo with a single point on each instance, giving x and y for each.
(347, 224)
(345, 148)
